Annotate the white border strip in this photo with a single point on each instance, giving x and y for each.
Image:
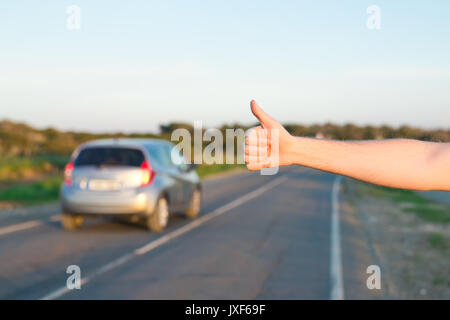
(337, 284)
(169, 236)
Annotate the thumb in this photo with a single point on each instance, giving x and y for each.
(266, 120)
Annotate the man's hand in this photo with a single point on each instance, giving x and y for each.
(397, 163)
(267, 145)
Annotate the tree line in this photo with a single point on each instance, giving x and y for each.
(20, 139)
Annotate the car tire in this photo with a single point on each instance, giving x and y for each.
(71, 222)
(157, 221)
(194, 208)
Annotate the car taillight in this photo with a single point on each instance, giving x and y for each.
(147, 173)
(68, 173)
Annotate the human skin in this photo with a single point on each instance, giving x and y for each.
(396, 163)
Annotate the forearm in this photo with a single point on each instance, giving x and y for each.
(407, 164)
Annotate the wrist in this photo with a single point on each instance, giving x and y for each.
(293, 150)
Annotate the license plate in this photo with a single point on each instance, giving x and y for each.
(104, 185)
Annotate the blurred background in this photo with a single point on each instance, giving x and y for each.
(74, 71)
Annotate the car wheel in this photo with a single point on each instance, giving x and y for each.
(71, 222)
(195, 205)
(159, 219)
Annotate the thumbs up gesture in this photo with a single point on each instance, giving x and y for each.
(268, 145)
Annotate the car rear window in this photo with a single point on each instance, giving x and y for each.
(159, 154)
(109, 156)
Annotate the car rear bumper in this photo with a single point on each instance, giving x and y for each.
(107, 203)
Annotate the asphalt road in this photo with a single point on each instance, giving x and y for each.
(259, 237)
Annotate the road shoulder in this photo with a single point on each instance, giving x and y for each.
(405, 235)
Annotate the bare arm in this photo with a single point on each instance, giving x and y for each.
(397, 163)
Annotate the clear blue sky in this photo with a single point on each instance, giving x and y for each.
(136, 64)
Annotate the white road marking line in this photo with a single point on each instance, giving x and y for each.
(337, 283)
(20, 227)
(170, 236)
(26, 225)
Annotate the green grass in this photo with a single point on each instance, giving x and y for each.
(398, 195)
(20, 168)
(423, 208)
(438, 241)
(436, 214)
(441, 282)
(33, 193)
(47, 189)
(206, 170)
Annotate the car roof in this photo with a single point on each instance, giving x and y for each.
(125, 142)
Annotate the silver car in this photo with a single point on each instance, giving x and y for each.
(143, 179)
